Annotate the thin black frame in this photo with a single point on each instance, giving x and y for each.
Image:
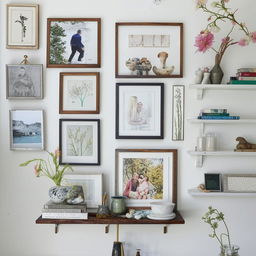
(60, 139)
(161, 136)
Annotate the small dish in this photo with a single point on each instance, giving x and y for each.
(154, 217)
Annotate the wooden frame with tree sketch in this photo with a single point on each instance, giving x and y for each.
(146, 175)
(79, 141)
(73, 42)
(79, 93)
(22, 26)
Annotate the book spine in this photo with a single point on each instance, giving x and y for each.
(64, 206)
(246, 78)
(217, 111)
(64, 210)
(240, 70)
(242, 82)
(219, 117)
(247, 74)
(56, 215)
(215, 114)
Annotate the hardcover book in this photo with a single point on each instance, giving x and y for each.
(219, 117)
(64, 210)
(246, 70)
(242, 82)
(214, 110)
(246, 74)
(56, 215)
(246, 78)
(51, 205)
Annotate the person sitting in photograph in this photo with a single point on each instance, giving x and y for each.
(143, 188)
(23, 85)
(131, 187)
(76, 45)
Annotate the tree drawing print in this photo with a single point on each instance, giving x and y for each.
(23, 26)
(57, 46)
(80, 90)
(80, 140)
(178, 121)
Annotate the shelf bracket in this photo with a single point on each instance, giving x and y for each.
(165, 229)
(199, 93)
(107, 229)
(199, 161)
(56, 228)
(202, 128)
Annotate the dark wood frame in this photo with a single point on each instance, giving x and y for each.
(97, 75)
(79, 120)
(174, 167)
(161, 136)
(96, 65)
(32, 47)
(148, 24)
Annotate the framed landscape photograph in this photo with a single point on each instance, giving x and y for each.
(26, 130)
(24, 81)
(79, 93)
(149, 50)
(139, 110)
(79, 141)
(73, 42)
(22, 26)
(146, 175)
(91, 184)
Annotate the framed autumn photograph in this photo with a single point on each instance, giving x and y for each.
(22, 26)
(73, 42)
(146, 175)
(79, 141)
(139, 111)
(149, 50)
(79, 93)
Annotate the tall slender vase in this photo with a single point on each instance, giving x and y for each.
(216, 72)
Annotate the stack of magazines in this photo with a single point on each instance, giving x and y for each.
(64, 211)
(216, 114)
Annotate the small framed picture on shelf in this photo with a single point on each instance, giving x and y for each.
(26, 130)
(24, 81)
(239, 183)
(178, 95)
(73, 42)
(22, 26)
(149, 50)
(79, 93)
(79, 141)
(146, 175)
(213, 182)
(139, 110)
(91, 184)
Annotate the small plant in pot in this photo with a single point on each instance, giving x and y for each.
(52, 169)
(214, 218)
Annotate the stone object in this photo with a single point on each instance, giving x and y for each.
(163, 70)
(58, 194)
(199, 76)
(138, 66)
(244, 145)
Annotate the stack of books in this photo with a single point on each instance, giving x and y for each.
(216, 114)
(244, 76)
(64, 211)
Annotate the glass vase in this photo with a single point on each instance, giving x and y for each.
(229, 251)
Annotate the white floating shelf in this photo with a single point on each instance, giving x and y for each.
(221, 121)
(201, 154)
(201, 87)
(197, 192)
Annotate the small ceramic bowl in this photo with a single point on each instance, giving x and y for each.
(162, 208)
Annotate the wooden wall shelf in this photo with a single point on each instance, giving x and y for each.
(114, 220)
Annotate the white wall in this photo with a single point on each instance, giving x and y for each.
(22, 195)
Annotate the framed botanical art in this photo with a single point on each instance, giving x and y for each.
(149, 50)
(91, 184)
(73, 42)
(79, 93)
(146, 175)
(24, 81)
(26, 130)
(139, 110)
(178, 95)
(22, 26)
(79, 141)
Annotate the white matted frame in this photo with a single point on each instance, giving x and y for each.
(79, 141)
(91, 184)
(239, 183)
(178, 101)
(24, 81)
(146, 175)
(26, 130)
(22, 26)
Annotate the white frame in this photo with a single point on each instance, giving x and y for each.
(239, 183)
(40, 96)
(81, 179)
(168, 177)
(34, 43)
(42, 131)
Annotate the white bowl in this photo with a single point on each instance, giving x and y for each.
(162, 208)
